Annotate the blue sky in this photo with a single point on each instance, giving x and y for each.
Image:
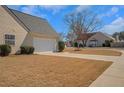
(111, 16)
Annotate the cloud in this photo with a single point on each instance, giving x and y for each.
(114, 9)
(109, 13)
(15, 7)
(31, 9)
(115, 26)
(82, 7)
(36, 10)
(54, 8)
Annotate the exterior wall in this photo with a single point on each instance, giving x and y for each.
(99, 37)
(28, 41)
(9, 26)
(31, 38)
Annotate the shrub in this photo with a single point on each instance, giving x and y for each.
(5, 50)
(61, 46)
(75, 44)
(108, 43)
(103, 44)
(31, 50)
(27, 49)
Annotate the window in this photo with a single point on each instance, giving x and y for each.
(9, 39)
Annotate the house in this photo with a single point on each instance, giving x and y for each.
(20, 29)
(96, 39)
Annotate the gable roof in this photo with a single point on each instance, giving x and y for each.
(86, 36)
(32, 23)
(107, 35)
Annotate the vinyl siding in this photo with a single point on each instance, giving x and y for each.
(99, 37)
(9, 26)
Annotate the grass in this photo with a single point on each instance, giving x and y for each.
(94, 51)
(45, 71)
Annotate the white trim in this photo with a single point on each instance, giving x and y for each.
(9, 34)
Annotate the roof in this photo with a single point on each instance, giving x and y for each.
(85, 36)
(33, 23)
(109, 36)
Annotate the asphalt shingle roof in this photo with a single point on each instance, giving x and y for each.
(35, 24)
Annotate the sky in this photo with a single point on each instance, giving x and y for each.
(112, 16)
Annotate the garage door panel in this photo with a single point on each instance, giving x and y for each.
(41, 44)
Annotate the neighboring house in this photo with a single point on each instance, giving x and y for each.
(94, 39)
(20, 29)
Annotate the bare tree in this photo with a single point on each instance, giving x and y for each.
(81, 22)
(62, 35)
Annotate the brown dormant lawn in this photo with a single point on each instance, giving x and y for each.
(38, 70)
(94, 51)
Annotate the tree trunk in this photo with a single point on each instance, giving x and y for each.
(84, 42)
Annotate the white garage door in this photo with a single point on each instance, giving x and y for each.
(42, 44)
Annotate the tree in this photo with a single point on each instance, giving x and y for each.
(81, 22)
(115, 34)
(62, 35)
(120, 35)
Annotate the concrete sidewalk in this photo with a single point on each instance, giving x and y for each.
(112, 77)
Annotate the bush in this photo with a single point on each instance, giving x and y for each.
(75, 44)
(107, 43)
(61, 46)
(103, 44)
(5, 50)
(27, 49)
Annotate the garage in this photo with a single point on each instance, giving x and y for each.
(44, 44)
(37, 32)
